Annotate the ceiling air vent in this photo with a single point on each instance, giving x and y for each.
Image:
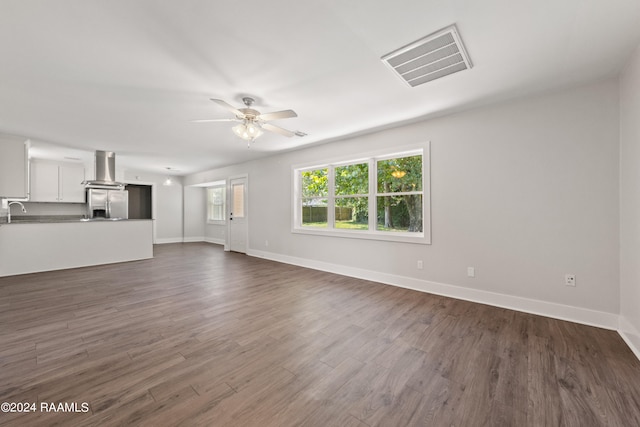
(430, 58)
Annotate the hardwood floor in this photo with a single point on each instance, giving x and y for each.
(197, 336)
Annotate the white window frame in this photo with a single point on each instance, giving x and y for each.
(222, 221)
(372, 233)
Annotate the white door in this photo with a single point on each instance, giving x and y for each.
(238, 215)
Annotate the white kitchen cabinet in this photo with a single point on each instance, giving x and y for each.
(71, 188)
(14, 167)
(57, 182)
(44, 182)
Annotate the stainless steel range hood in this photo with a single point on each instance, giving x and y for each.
(105, 167)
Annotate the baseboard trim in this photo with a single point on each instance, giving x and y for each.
(213, 240)
(193, 239)
(543, 308)
(189, 240)
(630, 335)
(169, 240)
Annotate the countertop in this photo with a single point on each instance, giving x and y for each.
(34, 219)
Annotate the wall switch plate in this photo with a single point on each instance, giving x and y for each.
(266, 243)
(570, 279)
(420, 265)
(471, 272)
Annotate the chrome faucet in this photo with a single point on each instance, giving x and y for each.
(24, 210)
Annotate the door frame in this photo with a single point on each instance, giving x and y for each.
(227, 240)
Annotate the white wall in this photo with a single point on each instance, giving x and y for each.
(630, 202)
(195, 214)
(168, 204)
(215, 233)
(524, 191)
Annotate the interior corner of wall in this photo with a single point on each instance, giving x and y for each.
(630, 334)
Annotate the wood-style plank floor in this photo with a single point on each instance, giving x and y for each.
(197, 336)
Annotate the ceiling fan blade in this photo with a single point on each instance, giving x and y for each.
(284, 114)
(277, 129)
(214, 120)
(229, 107)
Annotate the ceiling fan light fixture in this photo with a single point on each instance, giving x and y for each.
(252, 122)
(247, 130)
(254, 130)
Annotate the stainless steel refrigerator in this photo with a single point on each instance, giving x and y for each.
(108, 204)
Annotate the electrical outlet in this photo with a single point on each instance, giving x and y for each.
(420, 265)
(471, 272)
(570, 279)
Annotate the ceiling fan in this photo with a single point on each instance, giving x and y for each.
(252, 122)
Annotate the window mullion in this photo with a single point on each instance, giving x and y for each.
(331, 199)
(350, 196)
(298, 199)
(401, 193)
(373, 188)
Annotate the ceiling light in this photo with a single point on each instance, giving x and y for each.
(168, 180)
(398, 174)
(248, 130)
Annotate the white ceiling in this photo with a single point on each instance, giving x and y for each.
(129, 76)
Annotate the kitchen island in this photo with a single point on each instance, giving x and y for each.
(35, 246)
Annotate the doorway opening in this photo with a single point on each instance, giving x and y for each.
(140, 201)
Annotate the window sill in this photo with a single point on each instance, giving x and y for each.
(415, 238)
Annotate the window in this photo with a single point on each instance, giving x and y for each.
(216, 213)
(315, 189)
(238, 200)
(381, 197)
(399, 196)
(351, 196)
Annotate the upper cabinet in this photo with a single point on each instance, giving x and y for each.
(70, 181)
(14, 167)
(57, 182)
